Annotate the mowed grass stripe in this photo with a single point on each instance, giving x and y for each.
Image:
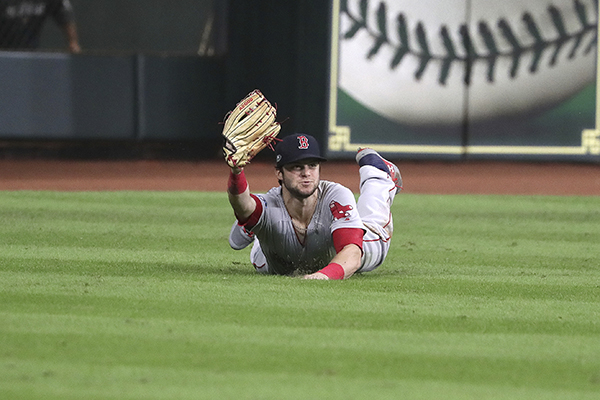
(135, 382)
(290, 305)
(487, 345)
(140, 227)
(90, 253)
(113, 220)
(535, 289)
(302, 356)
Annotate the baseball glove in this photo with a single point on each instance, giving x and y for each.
(248, 129)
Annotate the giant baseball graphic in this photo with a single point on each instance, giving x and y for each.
(427, 62)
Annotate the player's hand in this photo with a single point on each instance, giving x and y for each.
(249, 128)
(316, 275)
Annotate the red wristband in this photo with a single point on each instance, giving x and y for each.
(333, 271)
(237, 183)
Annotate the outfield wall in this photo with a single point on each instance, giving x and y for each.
(48, 96)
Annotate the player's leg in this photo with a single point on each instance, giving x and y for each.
(370, 157)
(380, 180)
(375, 250)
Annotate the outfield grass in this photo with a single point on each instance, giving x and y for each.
(136, 295)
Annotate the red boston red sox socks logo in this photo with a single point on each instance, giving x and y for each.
(339, 211)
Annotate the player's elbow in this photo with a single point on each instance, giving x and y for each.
(239, 237)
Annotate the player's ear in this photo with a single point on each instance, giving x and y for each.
(279, 174)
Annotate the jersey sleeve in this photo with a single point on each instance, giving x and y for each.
(255, 216)
(342, 237)
(346, 224)
(342, 208)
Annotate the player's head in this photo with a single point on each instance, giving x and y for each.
(298, 164)
(297, 147)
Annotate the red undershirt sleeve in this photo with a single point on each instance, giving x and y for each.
(345, 236)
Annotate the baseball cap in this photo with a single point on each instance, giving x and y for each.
(297, 147)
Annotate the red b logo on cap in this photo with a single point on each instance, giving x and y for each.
(302, 142)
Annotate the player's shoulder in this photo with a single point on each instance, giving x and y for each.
(272, 197)
(330, 184)
(333, 189)
(274, 192)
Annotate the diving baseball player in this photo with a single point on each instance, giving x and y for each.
(312, 228)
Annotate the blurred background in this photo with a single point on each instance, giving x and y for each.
(154, 79)
(146, 26)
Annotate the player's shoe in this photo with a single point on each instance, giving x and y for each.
(366, 156)
(239, 237)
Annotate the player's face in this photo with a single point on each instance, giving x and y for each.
(301, 178)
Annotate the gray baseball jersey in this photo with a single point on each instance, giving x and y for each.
(285, 254)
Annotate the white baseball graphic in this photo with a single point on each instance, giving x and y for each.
(412, 61)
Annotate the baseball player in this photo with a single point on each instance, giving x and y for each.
(310, 227)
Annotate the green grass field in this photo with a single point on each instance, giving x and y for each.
(137, 295)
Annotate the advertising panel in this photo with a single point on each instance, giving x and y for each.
(464, 78)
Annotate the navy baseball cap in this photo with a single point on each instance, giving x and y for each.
(297, 147)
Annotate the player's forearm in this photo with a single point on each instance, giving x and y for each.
(342, 266)
(349, 259)
(238, 192)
